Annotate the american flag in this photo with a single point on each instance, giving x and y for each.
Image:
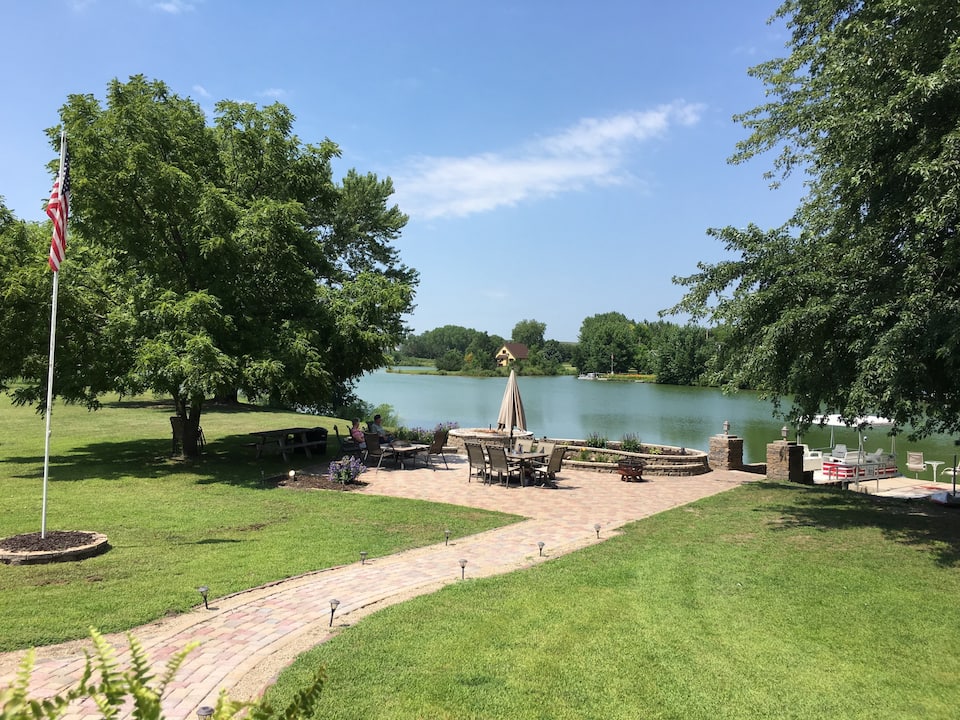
(57, 210)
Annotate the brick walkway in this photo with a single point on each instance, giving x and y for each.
(247, 638)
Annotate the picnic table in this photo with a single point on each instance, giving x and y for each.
(288, 440)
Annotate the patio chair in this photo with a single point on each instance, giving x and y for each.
(347, 445)
(478, 462)
(377, 450)
(915, 463)
(839, 452)
(545, 447)
(548, 471)
(501, 466)
(525, 444)
(436, 448)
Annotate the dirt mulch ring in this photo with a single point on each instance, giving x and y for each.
(54, 540)
(314, 481)
(54, 546)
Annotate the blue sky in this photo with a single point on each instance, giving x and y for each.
(557, 159)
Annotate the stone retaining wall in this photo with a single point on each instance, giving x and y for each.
(692, 462)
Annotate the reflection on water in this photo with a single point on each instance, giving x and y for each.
(565, 407)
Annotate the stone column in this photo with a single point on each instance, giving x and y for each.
(726, 452)
(785, 461)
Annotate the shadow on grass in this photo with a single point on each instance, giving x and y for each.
(229, 460)
(920, 523)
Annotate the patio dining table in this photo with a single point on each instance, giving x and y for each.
(404, 450)
(525, 460)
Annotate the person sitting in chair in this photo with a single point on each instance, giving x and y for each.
(376, 427)
(356, 432)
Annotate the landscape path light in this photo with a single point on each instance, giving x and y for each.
(783, 433)
(204, 712)
(333, 608)
(446, 534)
(363, 557)
(203, 590)
(540, 545)
(463, 568)
(597, 528)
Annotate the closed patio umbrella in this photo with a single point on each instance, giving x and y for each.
(511, 409)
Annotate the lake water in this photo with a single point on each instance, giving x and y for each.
(565, 407)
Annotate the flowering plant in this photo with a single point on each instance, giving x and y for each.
(421, 434)
(347, 469)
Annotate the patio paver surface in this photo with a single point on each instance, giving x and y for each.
(247, 638)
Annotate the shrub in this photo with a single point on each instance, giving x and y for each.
(596, 440)
(630, 443)
(422, 435)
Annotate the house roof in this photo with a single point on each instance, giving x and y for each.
(518, 350)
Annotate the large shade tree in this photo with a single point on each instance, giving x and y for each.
(853, 306)
(608, 339)
(207, 259)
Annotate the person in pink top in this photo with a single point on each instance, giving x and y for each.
(357, 434)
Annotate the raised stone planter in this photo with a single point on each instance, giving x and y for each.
(690, 463)
(98, 544)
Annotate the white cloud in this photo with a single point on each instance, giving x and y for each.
(201, 91)
(589, 154)
(275, 93)
(174, 7)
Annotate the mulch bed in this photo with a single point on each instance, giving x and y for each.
(308, 481)
(54, 540)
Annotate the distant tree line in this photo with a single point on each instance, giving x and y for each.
(609, 342)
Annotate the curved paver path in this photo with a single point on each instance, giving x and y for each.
(247, 638)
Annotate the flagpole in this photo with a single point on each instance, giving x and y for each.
(53, 345)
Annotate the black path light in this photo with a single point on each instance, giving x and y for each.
(446, 534)
(363, 557)
(203, 590)
(204, 712)
(333, 608)
(463, 568)
(597, 528)
(540, 545)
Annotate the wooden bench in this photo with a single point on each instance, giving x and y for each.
(630, 470)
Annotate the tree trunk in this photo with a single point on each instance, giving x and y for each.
(187, 426)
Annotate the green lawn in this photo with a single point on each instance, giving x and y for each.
(770, 601)
(174, 525)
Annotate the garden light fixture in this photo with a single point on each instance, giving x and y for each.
(540, 545)
(333, 608)
(203, 590)
(363, 557)
(446, 534)
(204, 712)
(463, 568)
(726, 427)
(292, 474)
(597, 528)
(783, 433)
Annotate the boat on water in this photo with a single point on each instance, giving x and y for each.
(588, 376)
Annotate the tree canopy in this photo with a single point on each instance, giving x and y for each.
(206, 259)
(607, 341)
(852, 306)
